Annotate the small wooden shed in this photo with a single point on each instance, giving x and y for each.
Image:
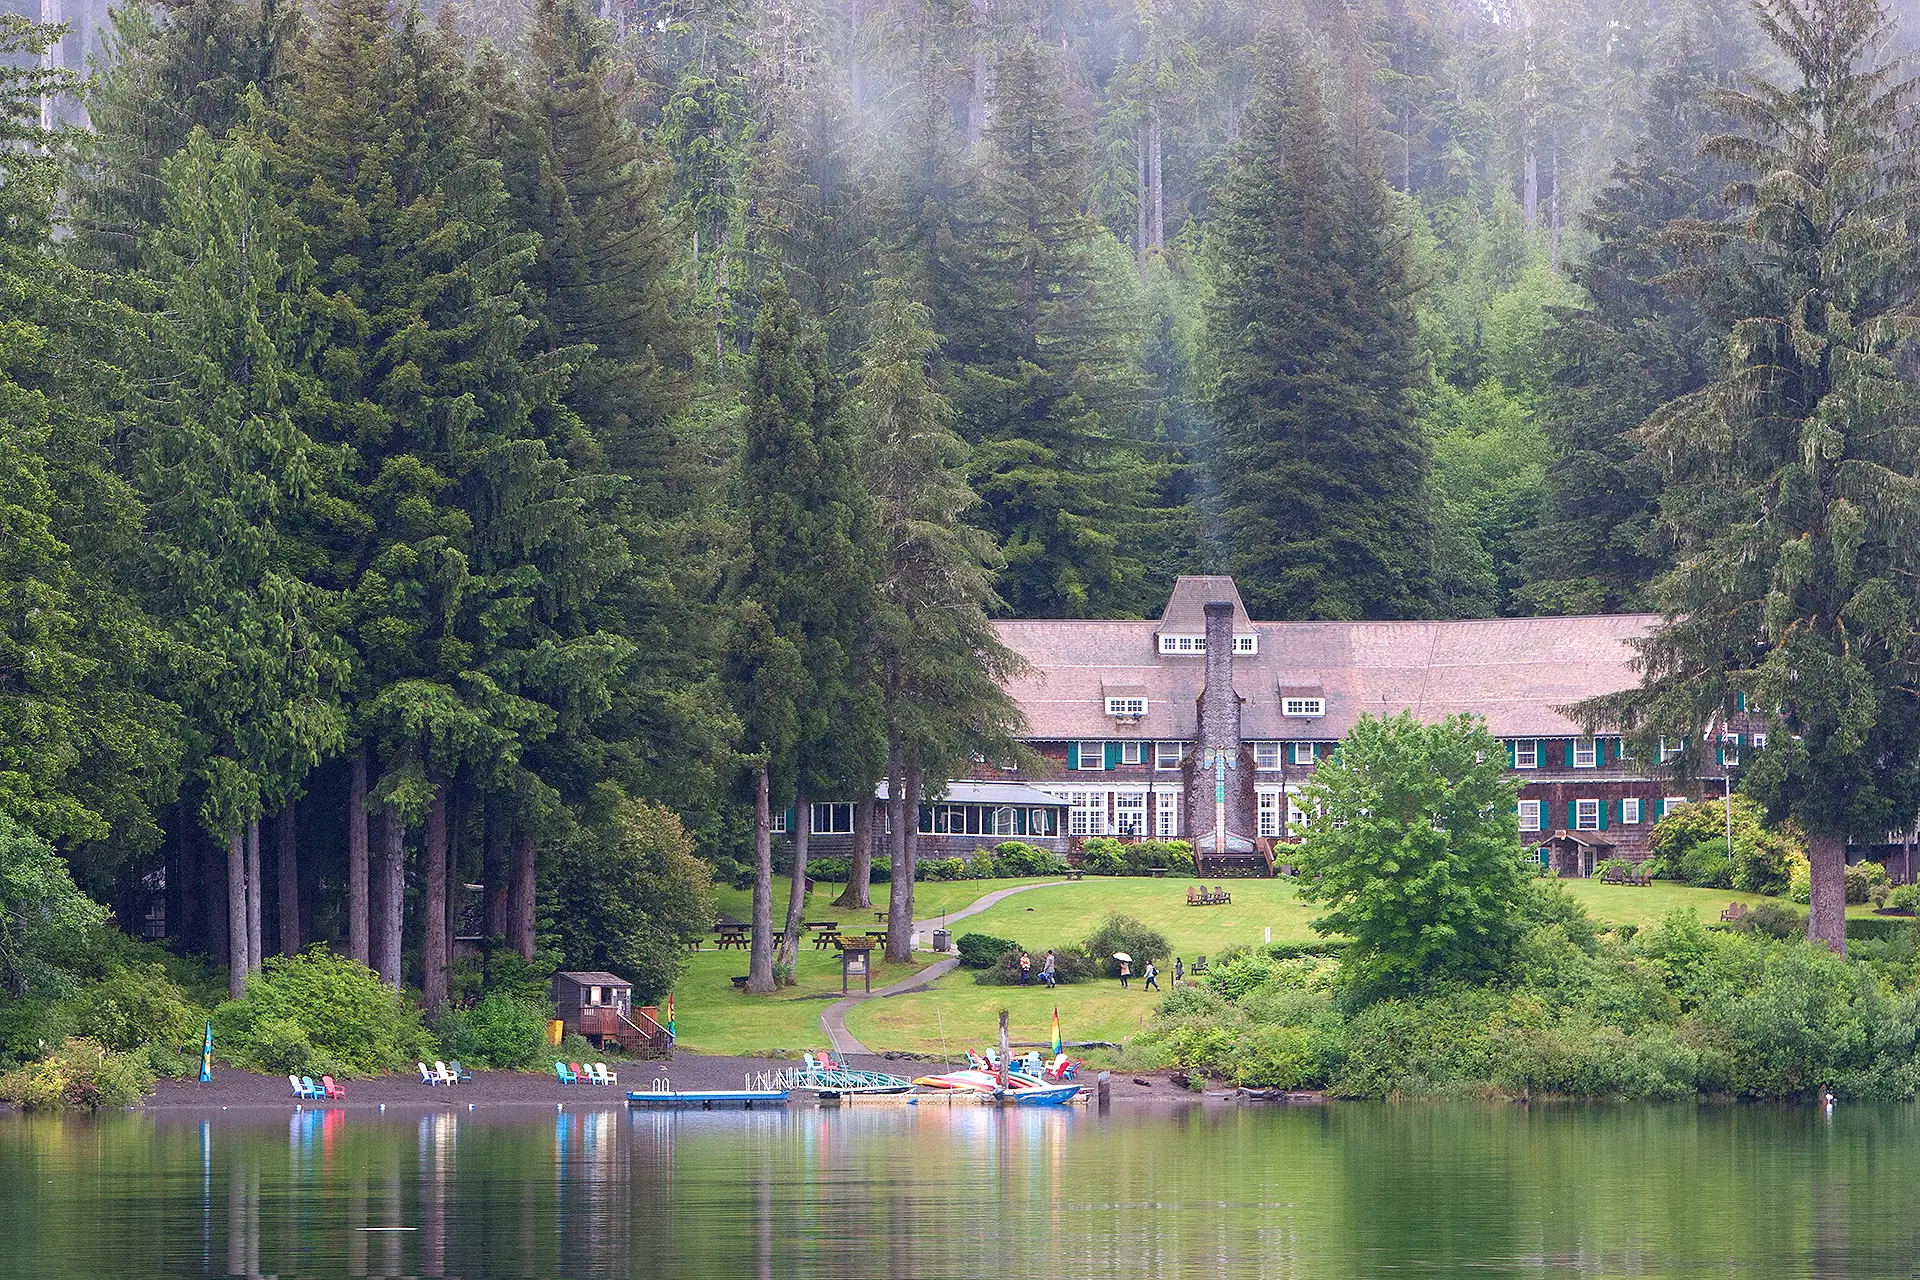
(599, 1006)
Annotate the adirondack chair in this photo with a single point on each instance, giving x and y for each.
(1220, 894)
(302, 1089)
(603, 1075)
(1193, 897)
(460, 1074)
(446, 1076)
(579, 1072)
(566, 1076)
(427, 1074)
(331, 1089)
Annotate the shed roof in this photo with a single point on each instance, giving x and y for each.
(1519, 674)
(589, 978)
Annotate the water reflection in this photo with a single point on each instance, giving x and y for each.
(895, 1191)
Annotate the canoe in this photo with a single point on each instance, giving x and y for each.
(980, 1081)
(707, 1099)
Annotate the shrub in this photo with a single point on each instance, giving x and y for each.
(1286, 1057)
(135, 1006)
(504, 1031)
(1903, 897)
(80, 1074)
(1124, 933)
(980, 950)
(1018, 858)
(1863, 878)
(1773, 920)
(505, 972)
(1763, 857)
(1103, 856)
(1706, 866)
(939, 869)
(282, 1045)
(979, 866)
(351, 1020)
(1235, 974)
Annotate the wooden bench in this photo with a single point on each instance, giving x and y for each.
(740, 983)
(1075, 875)
(1734, 911)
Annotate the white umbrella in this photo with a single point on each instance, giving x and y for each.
(1121, 955)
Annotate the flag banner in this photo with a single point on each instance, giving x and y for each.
(206, 1055)
(1056, 1030)
(670, 1034)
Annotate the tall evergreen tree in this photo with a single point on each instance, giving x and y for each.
(1044, 356)
(1321, 467)
(1792, 476)
(1640, 340)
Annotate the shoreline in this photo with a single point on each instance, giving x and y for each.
(231, 1087)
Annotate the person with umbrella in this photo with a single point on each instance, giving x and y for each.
(1126, 967)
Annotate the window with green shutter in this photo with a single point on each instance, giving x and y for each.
(1513, 754)
(1073, 755)
(1573, 815)
(1113, 755)
(1569, 753)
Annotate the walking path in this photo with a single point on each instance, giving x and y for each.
(834, 1020)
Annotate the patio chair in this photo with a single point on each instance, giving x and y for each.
(460, 1074)
(605, 1076)
(314, 1091)
(446, 1076)
(427, 1075)
(579, 1072)
(1193, 899)
(331, 1089)
(301, 1090)
(566, 1076)
(1220, 894)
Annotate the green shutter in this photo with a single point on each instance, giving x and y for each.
(1739, 702)
(1513, 754)
(1073, 755)
(1569, 753)
(1606, 812)
(1659, 808)
(1600, 752)
(1719, 754)
(1113, 755)
(1573, 815)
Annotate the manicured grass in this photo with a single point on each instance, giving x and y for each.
(1646, 905)
(969, 1015)
(712, 1017)
(1067, 913)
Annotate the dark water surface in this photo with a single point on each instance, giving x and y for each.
(892, 1191)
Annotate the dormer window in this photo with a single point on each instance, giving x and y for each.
(1127, 708)
(1246, 644)
(1303, 706)
(1185, 644)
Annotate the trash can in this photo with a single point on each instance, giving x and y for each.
(942, 939)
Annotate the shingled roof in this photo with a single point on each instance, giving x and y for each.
(1516, 673)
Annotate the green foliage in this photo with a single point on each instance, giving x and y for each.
(1414, 850)
(504, 1030)
(1692, 839)
(79, 1075)
(1103, 856)
(134, 1006)
(503, 972)
(1865, 879)
(1123, 933)
(46, 923)
(940, 869)
(980, 950)
(628, 894)
(1017, 858)
(334, 1011)
(1070, 964)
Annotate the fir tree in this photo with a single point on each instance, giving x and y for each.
(1321, 468)
(1791, 476)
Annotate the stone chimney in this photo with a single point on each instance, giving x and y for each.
(1219, 787)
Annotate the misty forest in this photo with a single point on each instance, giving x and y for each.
(461, 445)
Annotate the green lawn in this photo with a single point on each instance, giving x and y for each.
(711, 1017)
(969, 1015)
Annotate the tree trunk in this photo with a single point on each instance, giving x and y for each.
(1158, 232)
(797, 898)
(255, 952)
(1827, 903)
(521, 896)
(286, 866)
(760, 948)
(1553, 211)
(237, 962)
(210, 880)
(1140, 220)
(1529, 182)
(459, 807)
(493, 871)
(433, 941)
(859, 890)
(358, 947)
(389, 897)
(181, 903)
(906, 822)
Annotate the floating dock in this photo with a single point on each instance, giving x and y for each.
(766, 1092)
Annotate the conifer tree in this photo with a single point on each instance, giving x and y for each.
(1641, 340)
(1321, 467)
(1791, 477)
(1043, 360)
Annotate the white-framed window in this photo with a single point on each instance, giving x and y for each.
(1303, 753)
(1130, 813)
(1128, 708)
(778, 824)
(1266, 755)
(1086, 813)
(1183, 644)
(1526, 753)
(1092, 755)
(1530, 815)
(1630, 811)
(1268, 813)
(1043, 822)
(1303, 706)
(1586, 815)
(1166, 814)
(1670, 750)
(1671, 803)
(833, 819)
(1246, 644)
(1730, 748)
(1166, 755)
(1585, 756)
(1622, 749)
(1759, 741)
(1133, 753)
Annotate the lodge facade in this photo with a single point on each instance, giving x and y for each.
(1205, 725)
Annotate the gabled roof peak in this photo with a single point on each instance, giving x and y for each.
(1186, 612)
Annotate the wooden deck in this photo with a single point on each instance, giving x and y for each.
(638, 1034)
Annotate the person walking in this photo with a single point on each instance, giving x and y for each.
(1046, 970)
(1150, 974)
(1026, 968)
(1179, 970)
(1126, 971)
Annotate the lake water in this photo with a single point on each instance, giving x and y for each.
(892, 1191)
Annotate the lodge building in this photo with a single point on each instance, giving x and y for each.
(1204, 725)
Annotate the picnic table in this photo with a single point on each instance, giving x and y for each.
(733, 935)
(823, 932)
(881, 916)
